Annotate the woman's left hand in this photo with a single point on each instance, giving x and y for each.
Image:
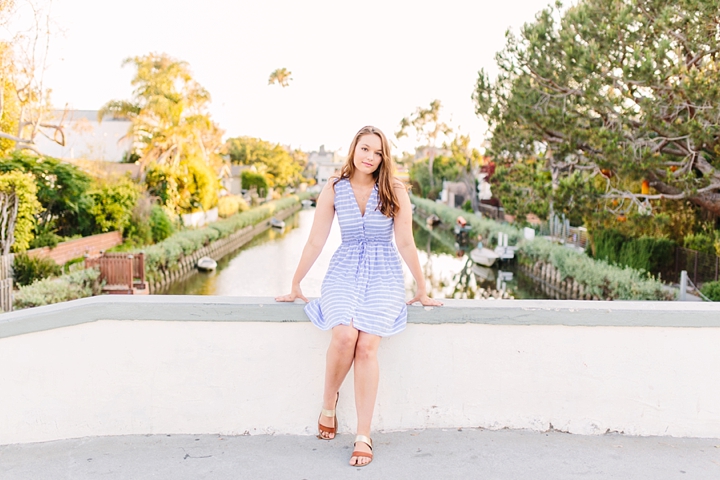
(425, 300)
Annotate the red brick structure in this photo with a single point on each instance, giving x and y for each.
(72, 249)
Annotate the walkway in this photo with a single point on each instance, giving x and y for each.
(428, 454)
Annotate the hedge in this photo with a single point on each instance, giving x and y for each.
(711, 290)
(80, 284)
(597, 277)
(644, 253)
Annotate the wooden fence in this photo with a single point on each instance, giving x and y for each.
(121, 273)
(6, 282)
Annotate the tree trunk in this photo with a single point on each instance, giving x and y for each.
(431, 161)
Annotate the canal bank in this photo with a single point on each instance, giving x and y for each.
(216, 250)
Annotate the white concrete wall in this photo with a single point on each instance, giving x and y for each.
(116, 377)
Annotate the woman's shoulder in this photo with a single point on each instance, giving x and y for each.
(332, 183)
(398, 185)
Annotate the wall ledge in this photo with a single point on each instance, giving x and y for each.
(265, 309)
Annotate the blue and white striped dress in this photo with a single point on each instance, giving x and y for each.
(364, 282)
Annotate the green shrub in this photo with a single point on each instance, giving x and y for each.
(113, 204)
(27, 270)
(45, 239)
(702, 242)
(228, 205)
(648, 254)
(80, 284)
(255, 180)
(644, 253)
(160, 224)
(711, 290)
(608, 244)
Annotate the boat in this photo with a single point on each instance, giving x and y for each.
(483, 256)
(432, 221)
(275, 223)
(206, 264)
(483, 274)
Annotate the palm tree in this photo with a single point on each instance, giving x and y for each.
(281, 76)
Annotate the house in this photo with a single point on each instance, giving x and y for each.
(326, 163)
(231, 178)
(86, 137)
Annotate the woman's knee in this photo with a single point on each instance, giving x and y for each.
(366, 347)
(344, 338)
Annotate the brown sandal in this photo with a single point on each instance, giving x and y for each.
(356, 453)
(322, 428)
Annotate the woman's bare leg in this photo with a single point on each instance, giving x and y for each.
(338, 360)
(367, 375)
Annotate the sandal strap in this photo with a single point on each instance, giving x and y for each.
(325, 429)
(366, 440)
(328, 413)
(362, 454)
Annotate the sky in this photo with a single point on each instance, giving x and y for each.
(352, 63)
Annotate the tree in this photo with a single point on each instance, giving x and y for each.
(622, 94)
(113, 203)
(280, 167)
(24, 99)
(62, 190)
(254, 180)
(428, 129)
(171, 127)
(18, 207)
(445, 167)
(280, 76)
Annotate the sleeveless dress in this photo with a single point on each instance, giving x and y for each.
(364, 282)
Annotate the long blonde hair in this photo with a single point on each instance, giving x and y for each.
(387, 199)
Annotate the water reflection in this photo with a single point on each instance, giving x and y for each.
(265, 266)
(448, 270)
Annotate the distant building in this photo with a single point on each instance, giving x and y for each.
(231, 178)
(86, 137)
(326, 163)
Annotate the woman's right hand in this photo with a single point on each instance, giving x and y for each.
(294, 294)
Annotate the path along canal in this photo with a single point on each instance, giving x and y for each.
(264, 267)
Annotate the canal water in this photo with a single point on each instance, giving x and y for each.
(264, 267)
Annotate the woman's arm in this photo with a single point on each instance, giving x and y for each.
(322, 222)
(406, 246)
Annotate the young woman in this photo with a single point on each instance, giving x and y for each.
(363, 293)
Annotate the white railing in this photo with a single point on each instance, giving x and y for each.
(162, 364)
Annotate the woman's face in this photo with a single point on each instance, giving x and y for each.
(368, 154)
